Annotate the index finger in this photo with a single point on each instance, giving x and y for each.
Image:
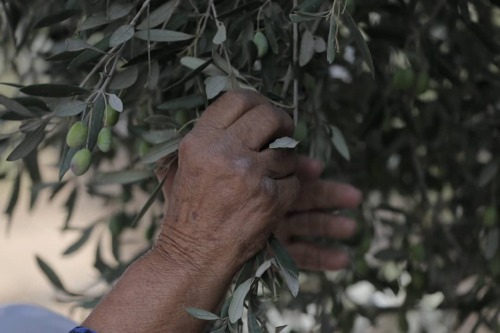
(228, 108)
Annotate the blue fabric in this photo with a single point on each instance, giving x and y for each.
(81, 329)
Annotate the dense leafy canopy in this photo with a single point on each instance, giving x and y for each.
(415, 110)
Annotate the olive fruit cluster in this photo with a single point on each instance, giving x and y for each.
(77, 138)
(408, 80)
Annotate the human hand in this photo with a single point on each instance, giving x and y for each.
(229, 191)
(308, 217)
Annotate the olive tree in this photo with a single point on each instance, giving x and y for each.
(396, 96)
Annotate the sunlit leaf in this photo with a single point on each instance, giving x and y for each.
(237, 303)
(115, 102)
(214, 85)
(220, 35)
(339, 142)
(283, 143)
(202, 314)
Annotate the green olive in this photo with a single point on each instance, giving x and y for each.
(181, 117)
(300, 131)
(77, 135)
(105, 139)
(403, 79)
(80, 162)
(260, 41)
(421, 83)
(490, 216)
(143, 148)
(110, 116)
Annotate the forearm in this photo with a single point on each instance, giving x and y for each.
(153, 294)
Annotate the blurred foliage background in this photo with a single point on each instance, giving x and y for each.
(414, 125)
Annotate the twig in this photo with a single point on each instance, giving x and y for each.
(295, 79)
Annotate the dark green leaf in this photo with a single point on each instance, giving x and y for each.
(66, 157)
(55, 18)
(14, 197)
(202, 314)
(15, 107)
(288, 268)
(359, 40)
(70, 207)
(30, 142)
(31, 164)
(91, 54)
(390, 255)
(119, 10)
(54, 90)
(183, 103)
(95, 121)
(32, 102)
(52, 276)
(94, 22)
(310, 6)
(331, 48)
(121, 177)
(160, 15)
(84, 237)
(124, 79)
(148, 203)
(191, 75)
(249, 6)
(237, 303)
(253, 324)
(121, 35)
(159, 35)
(70, 108)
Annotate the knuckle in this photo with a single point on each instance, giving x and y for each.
(187, 144)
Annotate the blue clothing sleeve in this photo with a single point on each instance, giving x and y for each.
(81, 329)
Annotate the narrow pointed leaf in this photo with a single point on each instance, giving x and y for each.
(15, 107)
(53, 90)
(160, 15)
(70, 108)
(359, 40)
(202, 314)
(160, 35)
(121, 35)
(331, 48)
(30, 142)
(55, 18)
(238, 302)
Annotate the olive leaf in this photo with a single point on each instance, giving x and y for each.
(283, 143)
(359, 40)
(160, 15)
(202, 314)
(115, 102)
(121, 35)
(55, 18)
(236, 306)
(53, 90)
(339, 142)
(160, 35)
(70, 108)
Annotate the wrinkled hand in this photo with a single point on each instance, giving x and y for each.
(229, 192)
(308, 218)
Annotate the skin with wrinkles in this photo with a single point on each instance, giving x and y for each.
(225, 194)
